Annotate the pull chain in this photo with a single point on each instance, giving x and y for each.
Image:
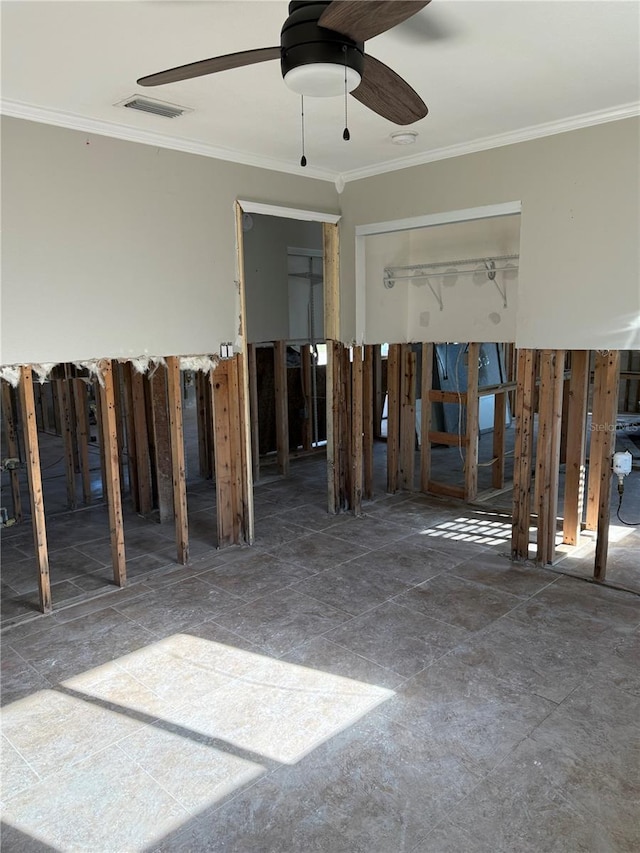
(345, 133)
(303, 159)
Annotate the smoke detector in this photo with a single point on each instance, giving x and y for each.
(404, 137)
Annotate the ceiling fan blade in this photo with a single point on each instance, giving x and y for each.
(386, 93)
(363, 19)
(210, 66)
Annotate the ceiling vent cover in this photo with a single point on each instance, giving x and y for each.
(157, 108)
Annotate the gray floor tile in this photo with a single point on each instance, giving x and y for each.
(398, 638)
(458, 602)
(492, 569)
(317, 551)
(477, 717)
(254, 574)
(281, 621)
(351, 587)
(406, 561)
(176, 607)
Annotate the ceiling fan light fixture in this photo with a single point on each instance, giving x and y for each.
(321, 79)
(404, 137)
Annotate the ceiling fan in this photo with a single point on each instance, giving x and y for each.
(322, 54)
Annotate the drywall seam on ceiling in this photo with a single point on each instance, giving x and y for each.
(72, 121)
(526, 134)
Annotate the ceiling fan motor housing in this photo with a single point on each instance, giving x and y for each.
(304, 43)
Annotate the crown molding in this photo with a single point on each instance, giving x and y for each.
(511, 138)
(72, 121)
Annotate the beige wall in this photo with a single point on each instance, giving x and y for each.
(114, 249)
(579, 278)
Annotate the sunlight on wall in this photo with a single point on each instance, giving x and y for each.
(123, 754)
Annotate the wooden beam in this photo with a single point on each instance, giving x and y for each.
(523, 414)
(162, 441)
(120, 417)
(606, 385)
(114, 499)
(132, 456)
(13, 448)
(472, 430)
(333, 374)
(445, 489)
(367, 413)
(143, 462)
(331, 281)
(436, 396)
(393, 416)
(407, 417)
(244, 414)
(236, 447)
(548, 451)
(83, 435)
(282, 405)
(499, 436)
(307, 393)
(345, 429)
(178, 468)
(66, 420)
(575, 469)
(244, 473)
(34, 476)
(226, 498)
(379, 391)
(425, 416)
(357, 429)
(255, 415)
(450, 438)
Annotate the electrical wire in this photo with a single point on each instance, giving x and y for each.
(628, 523)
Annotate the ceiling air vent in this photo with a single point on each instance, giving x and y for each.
(157, 108)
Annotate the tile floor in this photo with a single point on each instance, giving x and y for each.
(383, 684)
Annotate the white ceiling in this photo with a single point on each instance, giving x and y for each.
(490, 72)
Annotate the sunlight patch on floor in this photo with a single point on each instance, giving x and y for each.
(120, 755)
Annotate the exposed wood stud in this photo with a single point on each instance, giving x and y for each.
(407, 417)
(282, 405)
(13, 448)
(606, 385)
(34, 476)
(100, 441)
(160, 416)
(143, 462)
(425, 416)
(574, 483)
(178, 468)
(66, 421)
(523, 414)
(254, 412)
(225, 478)
(235, 447)
(548, 451)
(117, 395)
(379, 391)
(132, 454)
(368, 429)
(357, 428)
(499, 435)
(446, 490)
(305, 376)
(244, 475)
(203, 409)
(331, 281)
(83, 433)
(108, 428)
(345, 430)
(471, 456)
(334, 365)
(393, 416)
